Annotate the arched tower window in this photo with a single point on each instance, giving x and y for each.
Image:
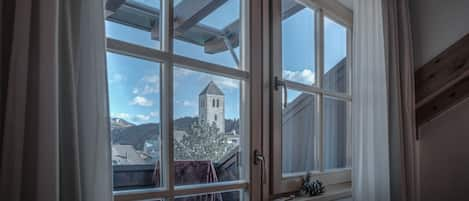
(213, 103)
(215, 117)
(218, 103)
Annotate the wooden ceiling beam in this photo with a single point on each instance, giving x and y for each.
(443, 82)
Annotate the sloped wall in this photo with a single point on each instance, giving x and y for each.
(444, 159)
(436, 24)
(444, 143)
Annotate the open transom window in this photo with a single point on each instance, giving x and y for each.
(178, 81)
(311, 94)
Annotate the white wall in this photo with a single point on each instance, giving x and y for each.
(444, 158)
(444, 143)
(436, 24)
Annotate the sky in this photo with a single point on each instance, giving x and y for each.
(134, 84)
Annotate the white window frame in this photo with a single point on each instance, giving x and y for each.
(250, 180)
(280, 183)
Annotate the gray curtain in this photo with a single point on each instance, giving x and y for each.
(6, 18)
(54, 139)
(402, 127)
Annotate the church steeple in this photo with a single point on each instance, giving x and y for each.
(212, 89)
(212, 106)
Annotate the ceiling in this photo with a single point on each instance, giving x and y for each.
(347, 3)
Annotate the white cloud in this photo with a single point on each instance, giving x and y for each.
(141, 101)
(149, 89)
(181, 72)
(304, 76)
(121, 115)
(142, 117)
(154, 114)
(226, 83)
(186, 103)
(117, 77)
(151, 78)
(150, 84)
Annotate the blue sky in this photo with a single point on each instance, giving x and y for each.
(134, 84)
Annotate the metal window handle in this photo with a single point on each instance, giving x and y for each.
(259, 159)
(282, 83)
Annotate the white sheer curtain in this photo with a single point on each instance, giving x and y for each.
(55, 135)
(370, 166)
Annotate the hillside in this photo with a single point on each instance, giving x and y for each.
(123, 132)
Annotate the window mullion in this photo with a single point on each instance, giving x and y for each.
(167, 97)
(319, 46)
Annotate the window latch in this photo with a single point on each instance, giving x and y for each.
(281, 83)
(260, 160)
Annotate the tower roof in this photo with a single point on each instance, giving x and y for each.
(211, 89)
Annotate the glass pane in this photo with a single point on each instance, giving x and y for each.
(134, 21)
(216, 196)
(335, 56)
(207, 136)
(208, 31)
(223, 16)
(134, 103)
(336, 138)
(154, 4)
(299, 138)
(298, 44)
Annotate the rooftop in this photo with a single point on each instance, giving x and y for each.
(211, 89)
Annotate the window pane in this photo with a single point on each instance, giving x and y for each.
(336, 138)
(216, 196)
(298, 44)
(207, 138)
(134, 21)
(154, 4)
(223, 16)
(335, 53)
(299, 138)
(208, 31)
(134, 103)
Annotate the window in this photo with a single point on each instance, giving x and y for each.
(164, 57)
(311, 94)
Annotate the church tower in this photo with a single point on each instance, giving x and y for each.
(212, 106)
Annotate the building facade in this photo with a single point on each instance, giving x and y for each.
(212, 106)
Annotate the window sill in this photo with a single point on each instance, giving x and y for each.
(333, 192)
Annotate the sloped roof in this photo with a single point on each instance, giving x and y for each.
(126, 154)
(211, 89)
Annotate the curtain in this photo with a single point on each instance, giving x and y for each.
(370, 152)
(53, 104)
(402, 128)
(6, 17)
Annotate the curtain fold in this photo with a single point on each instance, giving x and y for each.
(6, 19)
(55, 133)
(402, 129)
(370, 164)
